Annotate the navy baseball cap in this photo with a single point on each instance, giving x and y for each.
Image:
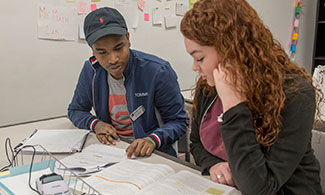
(103, 21)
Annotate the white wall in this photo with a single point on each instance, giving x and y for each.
(37, 77)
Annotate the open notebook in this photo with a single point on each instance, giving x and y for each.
(56, 140)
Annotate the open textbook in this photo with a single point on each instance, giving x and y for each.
(92, 159)
(131, 177)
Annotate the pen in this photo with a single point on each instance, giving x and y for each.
(32, 134)
(106, 134)
(22, 142)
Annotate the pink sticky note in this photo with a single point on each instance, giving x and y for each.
(82, 8)
(93, 7)
(146, 17)
(141, 4)
(296, 24)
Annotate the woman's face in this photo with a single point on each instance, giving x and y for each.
(205, 59)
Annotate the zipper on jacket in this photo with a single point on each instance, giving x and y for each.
(93, 86)
(205, 112)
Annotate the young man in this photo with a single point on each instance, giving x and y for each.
(130, 91)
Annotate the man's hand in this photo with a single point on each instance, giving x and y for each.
(140, 147)
(106, 133)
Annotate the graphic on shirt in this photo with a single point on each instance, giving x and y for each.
(117, 106)
(119, 114)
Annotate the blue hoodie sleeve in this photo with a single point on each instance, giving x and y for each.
(170, 104)
(81, 104)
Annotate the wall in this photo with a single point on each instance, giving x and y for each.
(38, 76)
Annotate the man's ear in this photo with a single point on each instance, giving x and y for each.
(128, 38)
(92, 50)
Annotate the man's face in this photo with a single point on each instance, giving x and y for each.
(112, 53)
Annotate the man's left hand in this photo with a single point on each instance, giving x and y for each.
(140, 147)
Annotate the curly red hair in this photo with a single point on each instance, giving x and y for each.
(249, 50)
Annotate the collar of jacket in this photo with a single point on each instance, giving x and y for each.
(127, 70)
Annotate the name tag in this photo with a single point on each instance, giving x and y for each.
(137, 113)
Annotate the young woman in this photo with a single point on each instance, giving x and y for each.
(253, 108)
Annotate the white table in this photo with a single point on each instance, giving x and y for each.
(19, 132)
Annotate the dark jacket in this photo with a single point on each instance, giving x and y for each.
(289, 167)
(150, 82)
(202, 157)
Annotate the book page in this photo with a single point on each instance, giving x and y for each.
(185, 182)
(127, 177)
(93, 159)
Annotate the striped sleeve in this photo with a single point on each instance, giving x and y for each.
(92, 124)
(156, 139)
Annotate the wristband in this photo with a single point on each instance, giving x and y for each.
(149, 139)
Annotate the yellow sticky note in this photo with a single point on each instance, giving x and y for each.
(191, 3)
(95, 0)
(4, 173)
(214, 191)
(294, 36)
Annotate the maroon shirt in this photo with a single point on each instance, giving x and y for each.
(210, 131)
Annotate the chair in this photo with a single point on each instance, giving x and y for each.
(318, 144)
(184, 146)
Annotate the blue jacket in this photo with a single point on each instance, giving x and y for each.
(150, 82)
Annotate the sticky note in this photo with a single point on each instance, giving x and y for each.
(82, 8)
(293, 48)
(214, 191)
(146, 17)
(294, 36)
(298, 8)
(95, 0)
(141, 4)
(191, 3)
(93, 7)
(296, 23)
(4, 173)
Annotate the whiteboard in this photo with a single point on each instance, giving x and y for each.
(38, 76)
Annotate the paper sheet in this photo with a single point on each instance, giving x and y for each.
(157, 17)
(170, 21)
(129, 10)
(181, 9)
(93, 159)
(56, 22)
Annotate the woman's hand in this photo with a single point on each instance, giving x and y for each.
(226, 88)
(221, 173)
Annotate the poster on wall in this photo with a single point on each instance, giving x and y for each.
(56, 22)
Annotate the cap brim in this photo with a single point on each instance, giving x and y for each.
(103, 32)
